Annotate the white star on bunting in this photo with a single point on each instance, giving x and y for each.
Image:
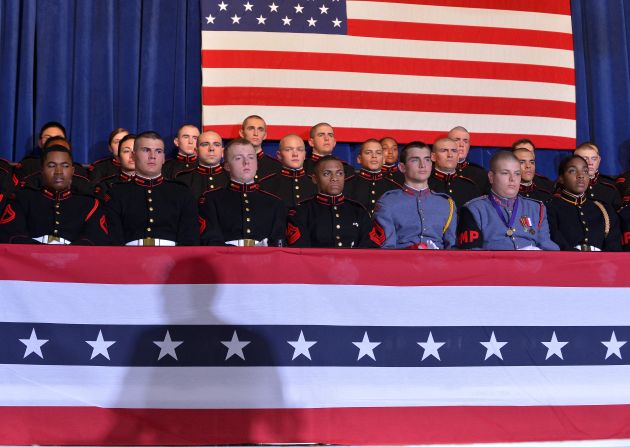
(210, 19)
(261, 19)
(366, 347)
(336, 23)
(168, 346)
(222, 6)
(100, 346)
(298, 8)
(286, 21)
(235, 346)
(33, 345)
(301, 347)
(554, 347)
(235, 19)
(248, 6)
(493, 347)
(323, 9)
(613, 346)
(431, 347)
(273, 7)
(311, 22)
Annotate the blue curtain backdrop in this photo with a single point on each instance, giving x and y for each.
(95, 66)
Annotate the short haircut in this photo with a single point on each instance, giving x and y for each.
(250, 117)
(500, 156)
(54, 148)
(523, 141)
(522, 149)
(129, 136)
(115, 132)
(314, 128)
(462, 128)
(56, 140)
(388, 138)
(149, 135)
(440, 140)
(236, 142)
(371, 140)
(185, 125)
(50, 124)
(324, 159)
(588, 145)
(281, 142)
(413, 144)
(562, 167)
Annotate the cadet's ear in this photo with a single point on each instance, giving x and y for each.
(401, 167)
(314, 178)
(240, 132)
(490, 177)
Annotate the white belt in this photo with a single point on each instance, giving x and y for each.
(587, 248)
(150, 242)
(247, 243)
(52, 240)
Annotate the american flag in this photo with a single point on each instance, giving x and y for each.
(230, 345)
(411, 69)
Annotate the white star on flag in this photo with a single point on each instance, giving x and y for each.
(248, 6)
(273, 7)
(366, 347)
(210, 19)
(301, 347)
(100, 346)
(323, 9)
(261, 19)
(33, 345)
(431, 347)
(613, 347)
(286, 21)
(298, 8)
(167, 346)
(235, 19)
(311, 22)
(222, 6)
(235, 347)
(554, 347)
(336, 23)
(493, 347)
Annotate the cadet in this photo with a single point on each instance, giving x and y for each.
(329, 219)
(186, 158)
(369, 184)
(109, 166)
(529, 188)
(600, 187)
(503, 220)
(32, 162)
(624, 218)
(464, 167)
(126, 171)
(623, 185)
(241, 214)
(390, 160)
(254, 130)
(322, 141)
(209, 173)
(54, 214)
(291, 184)
(541, 181)
(150, 210)
(415, 217)
(577, 222)
(445, 178)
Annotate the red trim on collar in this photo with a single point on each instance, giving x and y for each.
(571, 198)
(56, 195)
(462, 164)
(368, 175)
(414, 192)
(389, 169)
(523, 189)
(315, 156)
(148, 183)
(327, 200)
(594, 180)
(210, 170)
(243, 187)
(293, 173)
(443, 176)
(125, 177)
(187, 158)
(260, 155)
(116, 162)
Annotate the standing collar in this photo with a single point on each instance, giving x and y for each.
(419, 193)
(292, 173)
(56, 195)
(462, 164)
(523, 188)
(594, 180)
(115, 162)
(572, 198)
(327, 200)
(148, 182)
(370, 175)
(210, 170)
(243, 187)
(503, 201)
(444, 176)
(187, 158)
(125, 177)
(389, 169)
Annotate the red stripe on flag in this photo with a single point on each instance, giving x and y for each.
(347, 99)
(387, 426)
(455, 33)
(385, 65)
(550, 7)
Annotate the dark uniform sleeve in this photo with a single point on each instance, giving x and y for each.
(209, 226)
(188, 227)
(13, 227)
(624, 222)
(554, 229)
(113, 213)
(298, 234)
(469, 235)
(278, 230)
(365, 227)
(95, 231)
(613, 240)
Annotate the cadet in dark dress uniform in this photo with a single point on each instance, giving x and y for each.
(623, 186)
(390, 160)
(254, 130)
(369, 184)
(503, 220)
(126, 171)
(329, 219)
(576, 221)
(241, 214)
(464, 167)
(291, 184)
(209, 173)
(624, 220)
(32, 162)
(54, 214)
(151, 210)
(186, 158)
(445, 178)
(415, 217)
(322, 141)
(529, 188)
(600, 188)
(109, 166)
(542, 183)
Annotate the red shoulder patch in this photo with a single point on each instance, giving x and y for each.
(293, 233)
(7, 216)
(377, 235)
(103, 224)
(202, 225)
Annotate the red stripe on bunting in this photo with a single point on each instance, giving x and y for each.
(458, 33)
(259, 265)
(348, 99)
(386, 426)
(551, 7)
(385, 65)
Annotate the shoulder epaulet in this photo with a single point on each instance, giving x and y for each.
(101, 160)
(391, 192)
(303, 201)
(260, 179)
(270, 176)
(441, 194)
(81, 177)
(394, 182)
(350, 177)
(542, 176)
(531, 200)
(185, 171)
(467, 179)
(269, 193)
(354, 202)
(475, 165)
(476, 199)
(610, 185)
(174, 181)
(109, 177)
(539, 188)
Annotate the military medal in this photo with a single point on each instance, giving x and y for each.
(509, 224)
(509, 232)
(527, 224)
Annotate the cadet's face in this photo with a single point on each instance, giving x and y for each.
(371, 156)
(125, 154)
(591, 157)
(323, 142)
(210, 148)
(149, 157)
(462, 139)
(527, 146)
(49, 133)
(186, 140)
(255, 131)
(390, 151)
(292, 152)
(330, 177)
(113, 146)
(445, 155)
(506, 179)
(575, 177)
(528, 165)
(241, 162)
(57, 171)
(417, 169)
